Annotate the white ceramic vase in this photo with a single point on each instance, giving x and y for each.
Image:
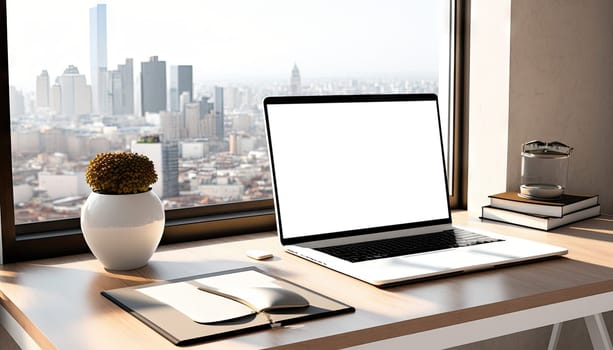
(123, 230)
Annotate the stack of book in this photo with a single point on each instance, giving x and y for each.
(512, 208)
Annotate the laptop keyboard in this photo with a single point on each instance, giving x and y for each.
(385, 248)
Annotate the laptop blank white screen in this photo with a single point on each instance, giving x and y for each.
(344, 166)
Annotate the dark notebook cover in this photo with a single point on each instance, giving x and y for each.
(558, 207)
(180, 329)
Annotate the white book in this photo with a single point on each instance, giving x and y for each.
(540, 222)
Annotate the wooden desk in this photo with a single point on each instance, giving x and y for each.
(58, 301)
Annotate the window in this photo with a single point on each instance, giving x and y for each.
(183, 82)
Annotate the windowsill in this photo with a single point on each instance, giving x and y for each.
(70, 241)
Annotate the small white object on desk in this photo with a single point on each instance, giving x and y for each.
(259, 254)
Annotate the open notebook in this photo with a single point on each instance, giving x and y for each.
(216, 305)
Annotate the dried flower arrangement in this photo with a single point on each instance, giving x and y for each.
(120, 173)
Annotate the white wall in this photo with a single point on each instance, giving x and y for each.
(488, 100)
(561, 88)
(540, 69)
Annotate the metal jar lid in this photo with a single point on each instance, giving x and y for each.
(541, 148)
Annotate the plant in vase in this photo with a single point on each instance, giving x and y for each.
(122, 219)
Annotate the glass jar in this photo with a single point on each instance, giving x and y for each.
(544, 169)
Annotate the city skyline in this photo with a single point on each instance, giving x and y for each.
(211, 140)
(229, 41)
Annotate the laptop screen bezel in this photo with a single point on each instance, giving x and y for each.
(275, 100)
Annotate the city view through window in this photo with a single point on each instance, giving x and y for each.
(183, 83)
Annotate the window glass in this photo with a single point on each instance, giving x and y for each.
(182, 82)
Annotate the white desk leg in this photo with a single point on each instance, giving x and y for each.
(598, 332)
(555, 336)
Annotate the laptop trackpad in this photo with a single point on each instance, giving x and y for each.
(425, 265)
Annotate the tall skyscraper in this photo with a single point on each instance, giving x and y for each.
(207, 117)
(55, 97)
(116, 91)
(97, 53)
(153, 86)
(295, 82)
(138, 101)
(105, 92)
(165, 158)
(218, 112)
(42, 89)
(231, 98)
(16, 102)
(181, 80)
(172, 125)
(205, 106)
(122, 89)
(209, 126)
(193, 121)
(75, 94)
(234, 142)
(170, 165)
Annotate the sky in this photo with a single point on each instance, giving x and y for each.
(231, 39)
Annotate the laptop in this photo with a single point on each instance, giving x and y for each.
(360, 187)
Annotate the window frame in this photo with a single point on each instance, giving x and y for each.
(63, 237)
(458, 198)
